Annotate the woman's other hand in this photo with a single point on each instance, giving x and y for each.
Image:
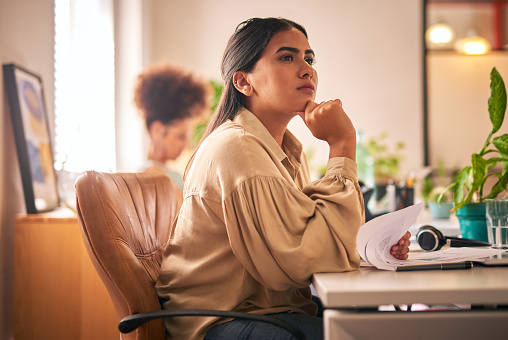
(329, 122)
(401, 249)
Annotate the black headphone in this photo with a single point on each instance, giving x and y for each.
(430, 239)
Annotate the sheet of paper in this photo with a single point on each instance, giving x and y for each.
(380, 233)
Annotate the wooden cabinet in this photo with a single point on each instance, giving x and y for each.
(57, 292)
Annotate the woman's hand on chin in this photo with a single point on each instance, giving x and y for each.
(329, 122)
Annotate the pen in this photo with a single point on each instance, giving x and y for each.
(439, 266)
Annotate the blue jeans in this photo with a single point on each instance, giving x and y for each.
(238, 329)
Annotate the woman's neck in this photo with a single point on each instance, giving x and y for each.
(277, 133)
(275, 123)
(155, 156)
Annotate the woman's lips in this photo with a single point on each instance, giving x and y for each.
(310, 88)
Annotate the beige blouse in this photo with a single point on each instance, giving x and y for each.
(252, 230)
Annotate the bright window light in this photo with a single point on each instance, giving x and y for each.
(84, 86)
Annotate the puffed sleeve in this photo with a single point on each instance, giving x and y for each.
(283, 235)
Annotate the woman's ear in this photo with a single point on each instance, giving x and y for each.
(242, 84)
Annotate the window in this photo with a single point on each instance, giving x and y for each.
(84, 86)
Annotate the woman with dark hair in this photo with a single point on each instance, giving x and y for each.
(169, 98)
(253, 228)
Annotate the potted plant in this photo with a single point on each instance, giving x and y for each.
(440, 209)
(386, 162)
(433, 185)
(469, 191)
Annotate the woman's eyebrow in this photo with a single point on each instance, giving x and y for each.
(294, 50)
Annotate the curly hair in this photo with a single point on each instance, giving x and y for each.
(166, 93)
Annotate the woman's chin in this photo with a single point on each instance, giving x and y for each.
(300, 111)
(301, 107)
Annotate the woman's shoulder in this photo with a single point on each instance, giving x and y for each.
(231, 155)
(228, 144)
(227, 132)
(233, 144)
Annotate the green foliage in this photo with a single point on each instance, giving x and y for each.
(386, 162)
(199, 129)
(472, 178)
(435, 182)
(217, 92)
(427, 186)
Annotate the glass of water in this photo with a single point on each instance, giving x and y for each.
(497, 222)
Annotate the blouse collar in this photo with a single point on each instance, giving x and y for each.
(290, 143)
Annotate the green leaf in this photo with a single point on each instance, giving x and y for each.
(497, 100)
(491, 162)
(499, 187)
(442, 194)
(479, 168)
(458, 188)
(501, 143)
(505, 162)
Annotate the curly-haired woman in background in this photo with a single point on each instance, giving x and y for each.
(169, 99)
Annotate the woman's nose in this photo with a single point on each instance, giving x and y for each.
(307, 71)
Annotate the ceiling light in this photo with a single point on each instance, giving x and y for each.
(439, 35)
(473, 44)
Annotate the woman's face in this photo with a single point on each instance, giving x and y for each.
(283, 79)
(171, 139)
(176, 137)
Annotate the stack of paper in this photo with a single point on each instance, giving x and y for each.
(377, 236)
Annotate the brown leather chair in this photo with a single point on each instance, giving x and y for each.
(125, 219)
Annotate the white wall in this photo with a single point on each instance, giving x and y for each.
(368, 55)
(26, 38)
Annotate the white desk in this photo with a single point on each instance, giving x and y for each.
(352, 299)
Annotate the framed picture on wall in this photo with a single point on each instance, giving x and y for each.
(33, 143)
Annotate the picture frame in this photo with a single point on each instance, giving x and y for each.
(33, 141)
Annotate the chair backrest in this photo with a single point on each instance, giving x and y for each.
(125, 220)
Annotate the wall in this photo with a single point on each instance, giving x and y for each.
(26, 37)
(458, 85)
(459, 89)
(368, 55)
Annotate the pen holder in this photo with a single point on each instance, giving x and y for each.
(404, 197)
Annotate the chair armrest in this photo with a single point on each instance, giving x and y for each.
(132, 322)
